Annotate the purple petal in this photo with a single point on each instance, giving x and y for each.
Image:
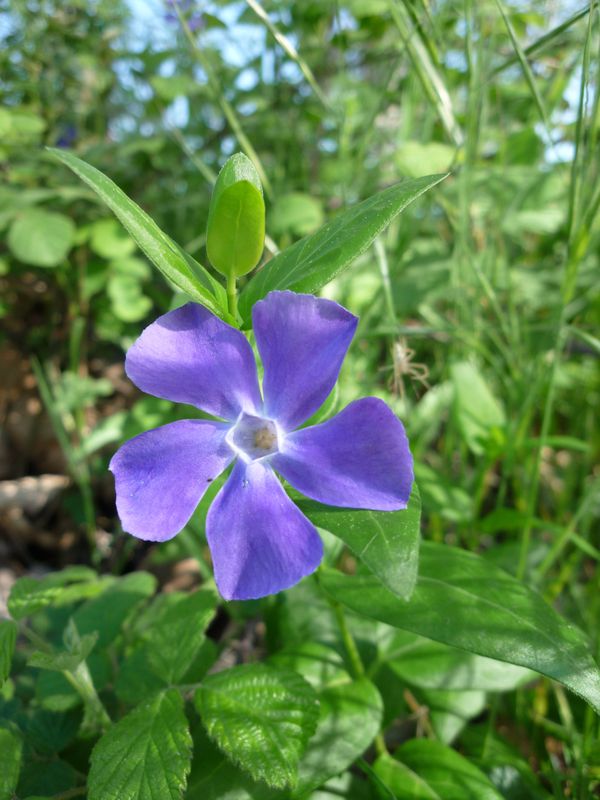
(260, 541)
(358, 459)
(302, 342)
(191, 356)
(161, 475)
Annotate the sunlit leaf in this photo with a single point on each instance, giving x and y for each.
(465, 601)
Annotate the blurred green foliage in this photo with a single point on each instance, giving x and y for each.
(492, 281)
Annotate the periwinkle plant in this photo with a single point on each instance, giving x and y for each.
(260, 541)
(317, 706)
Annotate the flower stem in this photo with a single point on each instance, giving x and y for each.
(357, 667)
(232, 296)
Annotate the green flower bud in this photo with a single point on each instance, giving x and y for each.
(235, 234)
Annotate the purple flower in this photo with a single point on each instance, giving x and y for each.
(260, 541)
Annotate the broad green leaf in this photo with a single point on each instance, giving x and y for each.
(505, 766)
(106, 614)
(43, 780)
(172, 644)
(109, 240)
(423, 769)
(416, 158)
(319, 664)
(11, 746)
(296, 213)
(49, 732)
(432, 665)
(8, 637)
(41, 238)
(312, 262)
(144, 756)
(349, 719)
(464, 601)
(479, 415)
(261, 718)
(128, 302)
(235, 233)
(387, 542)
(449, 712)
(30, 595)
(136, 681)
(176, 265)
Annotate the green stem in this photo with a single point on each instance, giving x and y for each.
(356, 665)
(81, 680)
(232, 296)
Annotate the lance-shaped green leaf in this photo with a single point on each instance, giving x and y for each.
(423, 769)
(261, 718)
(387, 542)
(146, 755)
(465, 601)
(235, 233)
(175, 264)
(432, 665)
(349, 721)
(8, 637)
(312, 262)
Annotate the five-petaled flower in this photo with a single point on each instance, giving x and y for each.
(259, 540)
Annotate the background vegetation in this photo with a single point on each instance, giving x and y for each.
(491, 279)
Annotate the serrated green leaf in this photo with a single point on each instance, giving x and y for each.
(463, 600)
(11, 746)
(176, 265)
(30, 595)
(387, 542)
(312, 262)
(423, 769)
(135, 680)
(349, 719)
(41, 238)
(8, 637)
(172, 644)
(144, 756)
(261, 718)
(235, 233)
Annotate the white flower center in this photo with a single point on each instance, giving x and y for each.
(252, 437)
